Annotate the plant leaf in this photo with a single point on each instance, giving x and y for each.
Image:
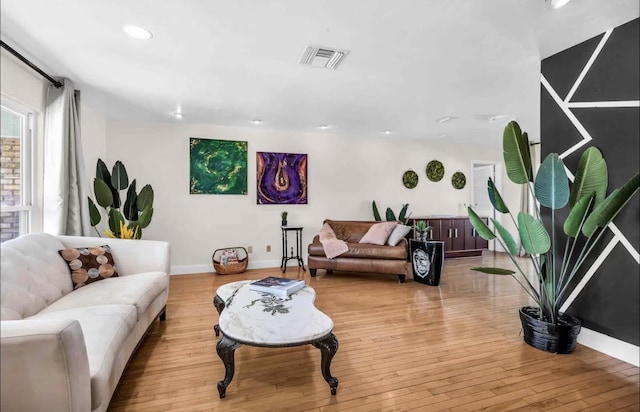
(145, 217)
(483, 230)
(516, 153)
(552, 185)
(508, 240)
(390, 215)
(102, 172)
(376, 214)
(145, 198)
(104, 197)
(119, 177)
(493, 271)
(606, 211)
(577, 214)
(403, 212)
(534, 237)
(115, 218)
(94, 213)
(495, 198)
(591, 176)
(130, 210)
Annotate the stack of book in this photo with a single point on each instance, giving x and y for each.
(281, 287)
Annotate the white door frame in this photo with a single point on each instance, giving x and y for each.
(497, 180)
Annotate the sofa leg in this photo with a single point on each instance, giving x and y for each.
(313, 272)
(401, 278)
(163, 314)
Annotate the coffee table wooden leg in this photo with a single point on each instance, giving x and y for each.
(226, 348)
(328, 348)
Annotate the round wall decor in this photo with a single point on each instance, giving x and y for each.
(410, 179)
(458, 180)
(435, 170)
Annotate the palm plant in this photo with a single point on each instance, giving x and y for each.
(590, 211)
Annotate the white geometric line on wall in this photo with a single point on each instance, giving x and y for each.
(588, 65)
(587, 276)
(586, 137)
(625, 242)
(613, 103)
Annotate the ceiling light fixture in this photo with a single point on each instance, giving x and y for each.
(256, 121)
(137, 32)
(178, 115)
(446, 119)
(442, 135)
(556, 4)
(498, 117)
(388, 131)
(323, 126)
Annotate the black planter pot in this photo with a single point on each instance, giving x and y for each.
(555, 338)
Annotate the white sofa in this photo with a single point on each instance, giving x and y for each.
(64, 349)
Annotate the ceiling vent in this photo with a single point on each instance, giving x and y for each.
(322, 57)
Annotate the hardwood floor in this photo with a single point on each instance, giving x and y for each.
(403, 347)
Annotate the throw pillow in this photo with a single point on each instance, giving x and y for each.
(398, 233)
(89, 264)
(378, 233)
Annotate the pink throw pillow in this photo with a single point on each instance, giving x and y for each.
(378, 233)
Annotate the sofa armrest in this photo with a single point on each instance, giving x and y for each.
(44, 366)
(131, 256)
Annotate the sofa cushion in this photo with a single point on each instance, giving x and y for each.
(365, 250)
(378, 233)
(105, 328)
(350, 231)
(33, 275)
(137, 290)
(89, 264)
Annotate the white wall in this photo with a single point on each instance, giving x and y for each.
(345, 175)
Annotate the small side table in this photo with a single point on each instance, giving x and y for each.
(285, 246)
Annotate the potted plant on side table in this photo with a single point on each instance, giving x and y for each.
(590, 211)
(283, 218)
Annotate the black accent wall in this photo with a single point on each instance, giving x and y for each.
(610, 301)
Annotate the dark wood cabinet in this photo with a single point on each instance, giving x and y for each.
(459, 236)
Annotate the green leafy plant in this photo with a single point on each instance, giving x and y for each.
(390, 216)
(422, 228)
(590, 211)
(126, 220)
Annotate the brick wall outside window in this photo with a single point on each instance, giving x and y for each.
(9, 186)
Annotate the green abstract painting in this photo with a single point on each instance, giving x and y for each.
(218, 167)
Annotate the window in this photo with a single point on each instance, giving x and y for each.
(16, 176)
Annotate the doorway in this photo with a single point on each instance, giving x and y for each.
(482, 170)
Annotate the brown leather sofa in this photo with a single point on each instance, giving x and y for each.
(361, 257)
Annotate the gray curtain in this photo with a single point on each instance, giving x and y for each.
(66, 211)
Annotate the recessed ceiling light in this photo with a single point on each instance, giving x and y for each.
(178, 115)
(323, 126)
(556, 4)
(442, 135)
(256, 121)
(446, 119)
(388, 131)
(137, 32)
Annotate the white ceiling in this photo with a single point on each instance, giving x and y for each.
(227, 62)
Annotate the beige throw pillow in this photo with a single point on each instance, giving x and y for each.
(399, 232)
(378, 233)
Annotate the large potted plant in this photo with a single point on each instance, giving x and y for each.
(590, 211)
(126, 219)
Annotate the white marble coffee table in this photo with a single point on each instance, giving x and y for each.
(261, 319)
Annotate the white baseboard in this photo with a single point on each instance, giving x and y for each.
(189, 269)
(616, 348)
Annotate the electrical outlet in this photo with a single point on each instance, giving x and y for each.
(268, 248)
(250, 249)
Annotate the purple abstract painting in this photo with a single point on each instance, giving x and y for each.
(281, 178)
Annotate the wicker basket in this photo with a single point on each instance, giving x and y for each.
(237, 263)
